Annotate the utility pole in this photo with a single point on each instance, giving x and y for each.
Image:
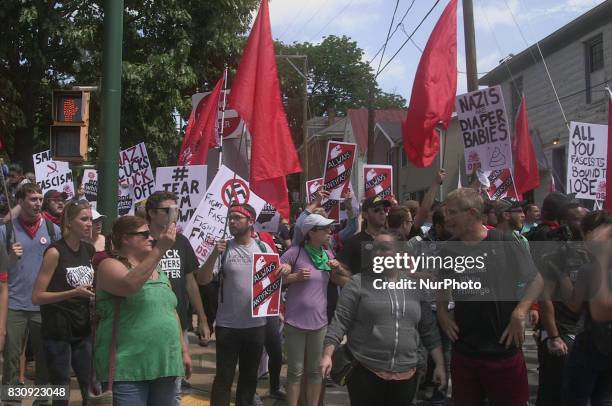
(371, 122)
(470, 45)
(111, 110)
(304, 75)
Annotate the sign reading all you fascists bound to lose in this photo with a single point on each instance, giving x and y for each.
(208, 222)
(135, 169)
(189, 185)
(338, 168)
(484, 129)
(266, 287)
(53, 175)
(587, 160)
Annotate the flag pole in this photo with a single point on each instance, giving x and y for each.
(221, 131)
(8, 202)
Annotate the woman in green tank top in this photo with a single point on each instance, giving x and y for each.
(150, 351)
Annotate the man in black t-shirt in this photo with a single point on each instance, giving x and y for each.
(487, 361)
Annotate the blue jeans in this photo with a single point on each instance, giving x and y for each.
(60, 356)
(158, 392)
(588, 375)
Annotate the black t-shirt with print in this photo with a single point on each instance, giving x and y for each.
(69, 319)
(177, 262)
(351, 254)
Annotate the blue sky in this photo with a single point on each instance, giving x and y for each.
(367, 22)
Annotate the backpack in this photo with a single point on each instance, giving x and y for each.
(9, 233)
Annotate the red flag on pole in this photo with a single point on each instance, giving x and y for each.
(608, 205)
(526, 173)
(201, 128)
(256, 96)
(433, 91)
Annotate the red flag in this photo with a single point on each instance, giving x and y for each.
(201, 128)
(256, 96)
(526, 174)
(609, 163)
(433, 91)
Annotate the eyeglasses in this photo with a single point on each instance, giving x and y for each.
(236, 217)
(319, 228)
(379, 210)
(164, 209)
(144, 234)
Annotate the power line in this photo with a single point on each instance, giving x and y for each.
(312, 17)
(393, 33)
(332, 19)
(289, 25)
(409, 37)
(388, 36)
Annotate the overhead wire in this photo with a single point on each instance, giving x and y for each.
(394, 31)
(332, 19)
(388, 37)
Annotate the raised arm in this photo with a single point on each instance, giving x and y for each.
(429, 198)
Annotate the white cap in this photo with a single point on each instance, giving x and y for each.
(314, 220)
(96, 215)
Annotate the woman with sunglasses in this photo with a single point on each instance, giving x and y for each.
(136, 296)
(383, 327)
(63, 290)
(306, 308)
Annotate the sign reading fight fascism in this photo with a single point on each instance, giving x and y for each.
(135, 169)
(53, 175)
(587, 160)
(484, 129)
(266, 286)
(209, 220)
(189, 185)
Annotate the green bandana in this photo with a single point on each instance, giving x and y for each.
(318, 257)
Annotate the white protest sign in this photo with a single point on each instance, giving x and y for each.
(484, 129)
(268, 219)
(232, 123)
(135, 169)
(267, 285)
(587, 160)
(125, 200)
(188, 183)
(89, 183)
(208, 222)
(53, 175)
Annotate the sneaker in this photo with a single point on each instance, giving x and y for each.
(279, 394)
(257, 400)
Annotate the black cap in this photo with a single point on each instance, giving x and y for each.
(375, 201)
(508, 204)
(553, 203)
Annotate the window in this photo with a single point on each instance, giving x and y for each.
(593, 64)
(596, 57)
(559, 167)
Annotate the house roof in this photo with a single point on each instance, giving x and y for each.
(581, 26)
(359, 122)
(393, 130)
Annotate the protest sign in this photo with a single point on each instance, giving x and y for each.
(501, 184)
(207, 224)
(266, 286)
(311, 188)
(135, 169)
(587, 160)
(232, 123)
(53, 175)
(378, 181)
(338, 168)
(125, 200)
(89, 183)
(331, 206)
(189, 185)
(268, 220)
(484, 129)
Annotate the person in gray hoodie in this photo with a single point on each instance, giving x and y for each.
(383, 329)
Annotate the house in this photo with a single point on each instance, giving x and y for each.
(579, 59)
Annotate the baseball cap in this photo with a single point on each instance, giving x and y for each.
(314, 220)
(508, 204)
(95, 215)
(54, 194)
(554, 202)
(375, 201)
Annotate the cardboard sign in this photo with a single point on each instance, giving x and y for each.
(208, 223)
(587, 160)
(89, 183)
(232, 123)
(378, 181)
(266, 287)
(331, 206)
(311, 188)
(268, 220)
(125, 200)
(188, 183)
(135, 169)
(338, 168)
(484, 129)
(501, 184)
(53, 175)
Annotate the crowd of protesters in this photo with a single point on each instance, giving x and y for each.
(117, 309)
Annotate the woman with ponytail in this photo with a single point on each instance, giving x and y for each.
(63, 289)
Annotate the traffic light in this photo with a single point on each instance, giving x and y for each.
(70, 127)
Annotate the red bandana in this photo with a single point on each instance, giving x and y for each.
(31, 228)
(243, 211)
(52, 218)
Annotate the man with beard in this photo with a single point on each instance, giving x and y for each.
(53, 206)
(510, 218)
(240, 337)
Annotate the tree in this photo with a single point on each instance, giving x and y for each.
(171, 49)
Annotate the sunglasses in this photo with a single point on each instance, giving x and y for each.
(164, 209)
(319, 228)
(144, 234)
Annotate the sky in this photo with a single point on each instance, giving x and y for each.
(502, 27)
